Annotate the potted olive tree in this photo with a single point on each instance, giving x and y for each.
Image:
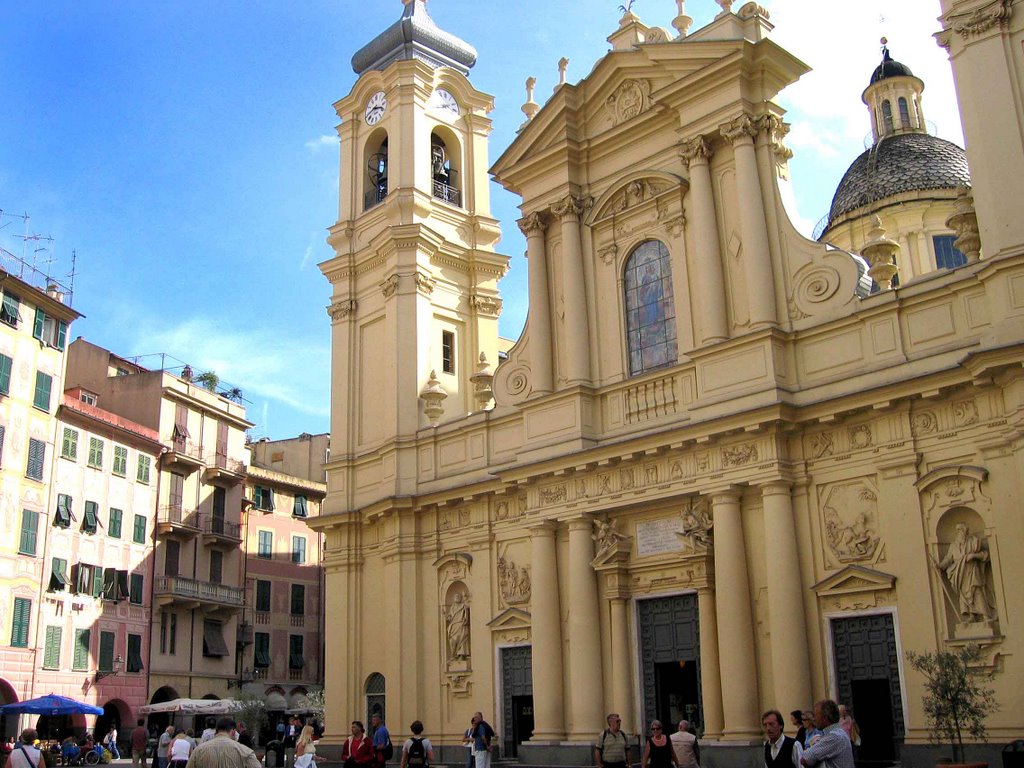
(957, 699)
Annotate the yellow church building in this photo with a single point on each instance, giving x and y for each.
(725, 467)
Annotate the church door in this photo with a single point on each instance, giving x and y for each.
(517, 697)
(670, 660)
(868, 681)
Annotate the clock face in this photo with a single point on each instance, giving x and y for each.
(375, 108)
(446, 101)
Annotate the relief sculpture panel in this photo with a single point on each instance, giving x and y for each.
(850, 521)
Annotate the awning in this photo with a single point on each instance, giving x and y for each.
(192, 706)
(213, 639)
(275, 702)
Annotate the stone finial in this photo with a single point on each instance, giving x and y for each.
(531, 107)
(881, 251)
(964, 222)
(563, 66)
(682, 22)
(726, 7)
(481, 379)
(433, 396)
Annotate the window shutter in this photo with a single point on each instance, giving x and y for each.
(37, 327)
(262, 650)
(44, 383)
(134, 653)
(69, 445)
(51, 654)
(97, 581)
(106, 662)
(122, 585)
(3, 431)
(81, 657)
(62, 334)
(36, 458)
(135, 589)
(299, 510)
(298, 599)
(5, 374)
(295, 656)
(29, 532)
(19, 624)
(139, 534)
(262, 595)
(172, 550)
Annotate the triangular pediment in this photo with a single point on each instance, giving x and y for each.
(854, 579)
(510, 618)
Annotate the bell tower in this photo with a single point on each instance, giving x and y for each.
(414, 274)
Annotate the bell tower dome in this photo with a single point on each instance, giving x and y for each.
(414, 273)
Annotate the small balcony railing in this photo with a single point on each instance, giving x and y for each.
(184, 453)
(447, 194)
(297, 620)
(216, 526)
(221, 467)
(375, 196)
(183, 588)
(174, 518)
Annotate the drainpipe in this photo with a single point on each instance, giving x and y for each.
(154, 628)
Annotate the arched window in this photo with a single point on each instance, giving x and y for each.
(887, 115)
(376, 156)
(650, 309)
(904, 113)
(374, 690)
(444, 169)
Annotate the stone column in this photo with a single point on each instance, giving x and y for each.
(533, 227)
(622, 687)
(546, 632)
(586, 693)
(710, 671)
(757, 258)
(576, 341)
(709, 290)
(735, 625)
(786, 623)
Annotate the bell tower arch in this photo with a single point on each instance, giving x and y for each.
(414, 274)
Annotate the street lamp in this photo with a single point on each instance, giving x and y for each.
(115, 667)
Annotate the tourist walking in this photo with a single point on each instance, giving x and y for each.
(482, 736)
(137, 741)
(658, 752)
(27, 754)
(162, 745)
(811, 732)
(180, 749)
(833, 748)
(358, 749)
(467, 742)
(612, 747)
(684, 744)
(305, 749)
(796, 717)
(780, 751)
(222, 751)
(417, 752)
(850, 726)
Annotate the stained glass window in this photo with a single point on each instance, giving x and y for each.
(650, 308)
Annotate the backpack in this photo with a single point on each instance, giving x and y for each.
(417, 755)
(608, 733)
(388, 751)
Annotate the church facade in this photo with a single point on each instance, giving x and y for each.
(725, 468)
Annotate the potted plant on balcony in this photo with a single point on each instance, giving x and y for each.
(957, 699)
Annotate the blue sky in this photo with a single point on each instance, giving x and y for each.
(185, 151)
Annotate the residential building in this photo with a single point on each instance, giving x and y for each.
(33, 332)
(716, 474)
(198, 584)
(283, 658)
(95, 598)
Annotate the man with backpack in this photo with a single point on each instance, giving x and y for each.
(417, 752)
(381, 739)
(612, 747)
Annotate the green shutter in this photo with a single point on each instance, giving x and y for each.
(114, 523)
(37, 328)
(97, 581)
(69, 445)
(120, 460)
(3, 431)
(106, 662)
(134, 653)
(44, 384)
(139, 532)
(262, 595)
(298, 599)
(62, 334)
(135, 589)
(299, 508)
(51, 654)
(36, 459)
(29, 532)
(89, 522)
(20, 622)
(95, 453)
(5, 374)
(81, 657)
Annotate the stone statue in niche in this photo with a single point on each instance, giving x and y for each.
(457, 617)
(606, 536)
(697, 525)
(964, 577)
(513, 582)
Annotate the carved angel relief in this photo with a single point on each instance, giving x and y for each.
(513, 582)
(851, 521)
(696, 526)
(607, 538)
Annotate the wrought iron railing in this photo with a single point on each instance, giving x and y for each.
(225, 462)
(187, 448)
(207, 591)
(375, 196)
(176, 515)
(218, 526)
(447, 194)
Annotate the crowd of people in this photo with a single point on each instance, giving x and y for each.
(826, 736)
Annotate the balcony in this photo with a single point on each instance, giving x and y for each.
(223, 470)
(297, 620)
(220, 532)
(173, 520)
(184, 455)
(188, 593)
(447, 194)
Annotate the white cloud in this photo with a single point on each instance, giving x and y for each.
(261, 362)
(321, 142)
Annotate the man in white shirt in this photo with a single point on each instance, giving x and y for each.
(685, 746)
(780, 751)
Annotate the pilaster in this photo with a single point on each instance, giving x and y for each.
(577, 333)
(546, 632)
(534, 226)
(586, 694)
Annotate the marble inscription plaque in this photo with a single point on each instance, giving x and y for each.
(656, 536)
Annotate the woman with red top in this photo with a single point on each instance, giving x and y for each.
(358, 749)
